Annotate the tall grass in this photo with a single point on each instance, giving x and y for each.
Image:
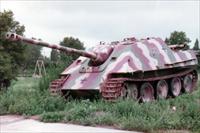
(24, 97)
(179, 113)
(30, 96)
(52, 73)
(131, 115)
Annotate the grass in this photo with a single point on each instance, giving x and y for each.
(25, 97)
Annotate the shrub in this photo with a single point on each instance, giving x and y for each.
(52, 116)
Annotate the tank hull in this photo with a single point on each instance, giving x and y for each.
(143, 69)
(136, 63)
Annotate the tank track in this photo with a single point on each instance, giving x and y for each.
(55, 86)
(112, 89)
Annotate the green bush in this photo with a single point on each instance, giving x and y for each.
(52, 73)
(52, 116)
(53, 103)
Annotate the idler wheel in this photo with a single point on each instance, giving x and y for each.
(187, 83)
(162, 89)
(175, 86)
(146, 92)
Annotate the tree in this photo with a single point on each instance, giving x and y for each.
(47, 61)
(196, 48)
(178, 37)
(196, 45)
(54, 56)
(11, 53)
(5, 70)
(72, 43)
(32, 53)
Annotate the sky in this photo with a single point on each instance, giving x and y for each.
(95, 21)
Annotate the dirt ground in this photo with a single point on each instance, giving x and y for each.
(13, 123)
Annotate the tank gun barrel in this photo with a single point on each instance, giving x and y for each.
(16, 38)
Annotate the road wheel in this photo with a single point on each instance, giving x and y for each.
(132, 91)
(162, 89)
(187, 83)
(146, 92)
(175, 86)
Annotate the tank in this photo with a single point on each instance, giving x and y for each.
(143, 70)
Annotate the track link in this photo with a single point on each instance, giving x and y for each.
(55, 86)
(111, 89)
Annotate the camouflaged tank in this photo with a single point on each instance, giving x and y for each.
(144, 70)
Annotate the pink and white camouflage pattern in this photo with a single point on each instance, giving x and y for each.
(128, 56)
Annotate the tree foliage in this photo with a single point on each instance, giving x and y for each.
(32, 54)
(11, 53)
(54, 56)
(196, 45)
(178, 37)
(197, 50)
(72, 43)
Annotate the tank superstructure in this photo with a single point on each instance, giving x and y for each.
(143, 69)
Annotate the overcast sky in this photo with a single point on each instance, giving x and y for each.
(97, 21)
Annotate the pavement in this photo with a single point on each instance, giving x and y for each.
(13, 123)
